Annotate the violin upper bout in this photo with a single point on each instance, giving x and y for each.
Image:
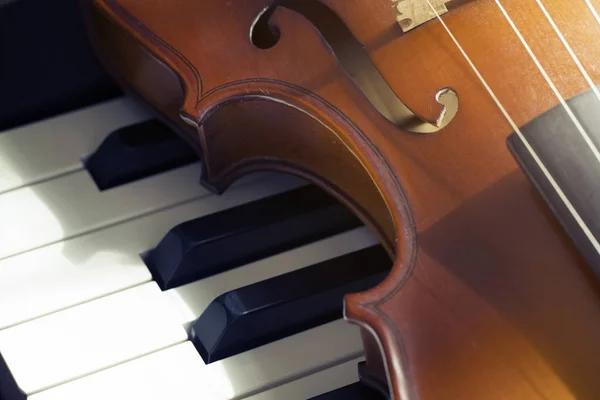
(263, 124)
(225, 125)
(147, 67)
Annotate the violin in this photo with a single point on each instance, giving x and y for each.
(464, 133)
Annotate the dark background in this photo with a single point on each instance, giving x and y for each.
(47, 66)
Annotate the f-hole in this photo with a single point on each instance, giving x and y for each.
(355, 61)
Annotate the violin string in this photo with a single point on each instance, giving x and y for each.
(593, 10)
(526, 143)
(569, 49)
(551, 84)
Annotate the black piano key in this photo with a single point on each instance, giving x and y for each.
(136, 152)
(221, 241)
(8, 387)
(266, 311)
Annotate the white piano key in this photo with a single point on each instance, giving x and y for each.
(166, 375)
(55, 146)
(314, 385)
(74, 336)
(179, 372)
(72, 205)
(192, 299)
(102, 262)
(81, 340)
(284, 360)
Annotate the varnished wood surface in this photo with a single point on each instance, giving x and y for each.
(488, 298)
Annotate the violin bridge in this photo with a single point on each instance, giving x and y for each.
(413, 13)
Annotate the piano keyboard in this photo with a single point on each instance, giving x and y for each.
(81, 315)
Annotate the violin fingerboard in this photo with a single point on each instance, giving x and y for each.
(558, 151)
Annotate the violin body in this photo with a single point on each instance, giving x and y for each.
(489, 298)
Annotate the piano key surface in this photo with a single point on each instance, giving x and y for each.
(71, 205)
(192, 299)
(135, 151)
(42, 150)
(86, 255)
(72, 343)
(101, 262)
(171, 374)
(321, 382)
(122, 326)
(223, 240)
(179, 372)
(256, 314)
